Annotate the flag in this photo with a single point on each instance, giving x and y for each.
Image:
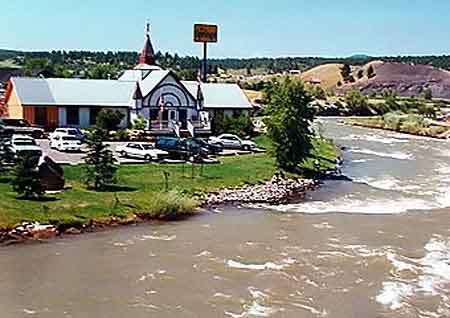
(200, 97)
(161, 103)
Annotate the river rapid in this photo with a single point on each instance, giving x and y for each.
(377, 246)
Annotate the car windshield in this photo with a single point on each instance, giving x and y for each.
(24, 142)
(147, 147)
(15, 122)
(69, 138)
(72, 132)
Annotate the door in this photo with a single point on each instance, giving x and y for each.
(182, 117)
(40, 116)
(172, 115)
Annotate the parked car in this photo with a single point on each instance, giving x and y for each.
(176, 147)
(69, 131)
(232, 142)
(22, 127)
(64, 142)
(204, 147)
(21, 144)
(144, 151)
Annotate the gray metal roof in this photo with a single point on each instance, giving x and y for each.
(118, 93)
(217, 95)
(76, 92)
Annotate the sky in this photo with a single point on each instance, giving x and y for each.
(247, 28)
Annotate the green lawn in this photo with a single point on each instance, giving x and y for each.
(142, 189)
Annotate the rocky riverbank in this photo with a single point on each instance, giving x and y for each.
(278, 190)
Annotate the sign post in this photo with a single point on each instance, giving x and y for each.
(205, 33)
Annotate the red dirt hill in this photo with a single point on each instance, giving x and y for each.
(406, 80)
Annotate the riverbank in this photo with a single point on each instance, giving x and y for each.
(403, 123)
(143, 193)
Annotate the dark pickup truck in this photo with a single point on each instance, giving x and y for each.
(20, 127)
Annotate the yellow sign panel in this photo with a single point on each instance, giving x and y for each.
(205, 33)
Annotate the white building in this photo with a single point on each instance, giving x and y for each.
(169, 104)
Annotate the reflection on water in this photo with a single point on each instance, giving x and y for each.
(386, 253)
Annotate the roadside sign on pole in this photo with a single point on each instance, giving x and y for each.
(205, 33)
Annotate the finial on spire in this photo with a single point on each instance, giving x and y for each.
(147, 27)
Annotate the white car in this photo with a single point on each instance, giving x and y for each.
(23, 144)
(68, 131)
(144, 151)
(232, 142)
(64, 142)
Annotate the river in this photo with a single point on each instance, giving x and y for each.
(378, 246)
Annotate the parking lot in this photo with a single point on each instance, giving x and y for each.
(75, 158)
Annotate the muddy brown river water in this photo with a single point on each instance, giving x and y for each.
(378, 246)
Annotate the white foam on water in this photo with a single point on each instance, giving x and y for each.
(394, 155)
(266, 266)
(159, 238)
(355, 206)
(360, 160)
(432, 277)
(393, 294)
(382, 183)
(323, 226)
(257, 308)
(29, 311)
(375, 138)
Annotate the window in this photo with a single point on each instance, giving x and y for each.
(154, 114)
(93, 113)
(73, 116)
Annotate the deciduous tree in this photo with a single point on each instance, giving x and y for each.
(288, 121)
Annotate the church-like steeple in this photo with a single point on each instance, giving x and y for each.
(148, 54)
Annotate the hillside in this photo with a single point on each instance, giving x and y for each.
(328, 74)
(406, 80)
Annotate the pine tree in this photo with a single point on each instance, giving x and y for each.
(27, 181)
(100, 162)
(346, 73)
(5, 157)
(370, 72)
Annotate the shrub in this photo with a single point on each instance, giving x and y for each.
(122, 135)
(393, 120)
(27, 181)
(109, 119)
(139, 123)
(428, 94)
(170, 205)
(358, 103)
(241, 126)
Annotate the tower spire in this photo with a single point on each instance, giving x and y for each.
(148, 54)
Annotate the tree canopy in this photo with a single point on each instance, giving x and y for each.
(288, 121)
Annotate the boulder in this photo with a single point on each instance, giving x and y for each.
(72, 231)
